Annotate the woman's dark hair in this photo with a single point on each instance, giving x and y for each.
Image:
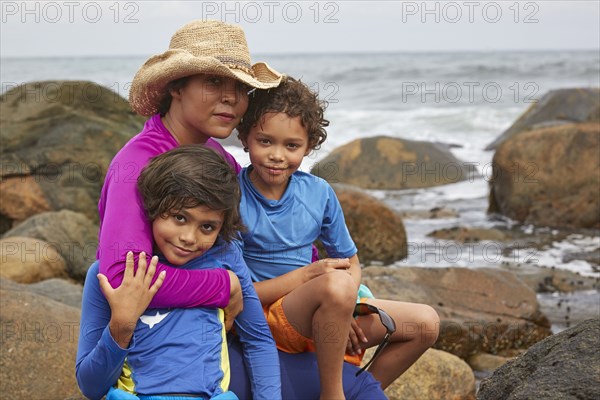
(293, 98)
(188, 177)
(166, 99)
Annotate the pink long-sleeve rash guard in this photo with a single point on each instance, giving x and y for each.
(124, 226)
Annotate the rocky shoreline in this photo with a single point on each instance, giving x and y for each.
(55, 152)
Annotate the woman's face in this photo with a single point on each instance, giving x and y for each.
(207, 106)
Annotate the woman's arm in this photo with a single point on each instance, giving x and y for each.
(124, 227)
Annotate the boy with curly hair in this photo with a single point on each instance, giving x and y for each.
(310, 306)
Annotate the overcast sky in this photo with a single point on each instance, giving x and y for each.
(71, 28)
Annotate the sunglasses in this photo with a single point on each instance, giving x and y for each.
(386, 321)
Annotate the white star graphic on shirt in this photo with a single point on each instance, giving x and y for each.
(152, 320)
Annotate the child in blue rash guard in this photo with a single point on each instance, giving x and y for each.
(191, 195)
(285, 211)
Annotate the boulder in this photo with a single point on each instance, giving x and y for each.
(563, 366)
(555, 108)
(72, 234)
(383, 162)
(549, 177)
(551, 280)
(436, 375)
(21, 197)
(469, 235)
(376, 229)
(28, 260)
(58, 138)
(39, 346)
(486, 362)
(481, 310)
(433, 213)
(60, 290)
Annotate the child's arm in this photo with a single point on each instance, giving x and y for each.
(99, 357)
(236, 304)
(355, 270)
(271, 290)
(334, 232)
(260, 354)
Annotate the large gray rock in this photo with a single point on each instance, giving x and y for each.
(552, 280)
(72, 234)
(383, 162)
(39, 346)
(58, 138)
(60, 290)
(555, 108)
(481, 310)
(563, 366)
(463, 234)
(549, 177)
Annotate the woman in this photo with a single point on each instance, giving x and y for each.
(195, 91)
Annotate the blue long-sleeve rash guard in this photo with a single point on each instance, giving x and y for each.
(186, 352)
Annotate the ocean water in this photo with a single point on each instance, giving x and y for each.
(465, 99)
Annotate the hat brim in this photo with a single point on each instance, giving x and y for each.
(150, 81)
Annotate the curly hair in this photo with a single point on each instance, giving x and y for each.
(188, 177)
(293, 98)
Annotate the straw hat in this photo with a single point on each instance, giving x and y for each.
(212, 47)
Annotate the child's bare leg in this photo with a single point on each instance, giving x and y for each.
(417, 329)
(322, 310)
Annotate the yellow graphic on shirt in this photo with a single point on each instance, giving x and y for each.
(125, 381)
(224, 353)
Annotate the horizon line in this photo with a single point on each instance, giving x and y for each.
(316, 53)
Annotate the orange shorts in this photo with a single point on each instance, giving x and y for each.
(288, 339)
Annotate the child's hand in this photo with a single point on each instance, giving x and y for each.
(131, 298)
(236, 301)
(355, 337)
(325, 266)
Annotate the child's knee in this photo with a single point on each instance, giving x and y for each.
(340, 289)
(430, 326)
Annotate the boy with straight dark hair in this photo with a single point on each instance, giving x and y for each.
(191, 195)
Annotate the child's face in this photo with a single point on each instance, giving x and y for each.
(277, 146)
(185, 235)
(208, 106)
